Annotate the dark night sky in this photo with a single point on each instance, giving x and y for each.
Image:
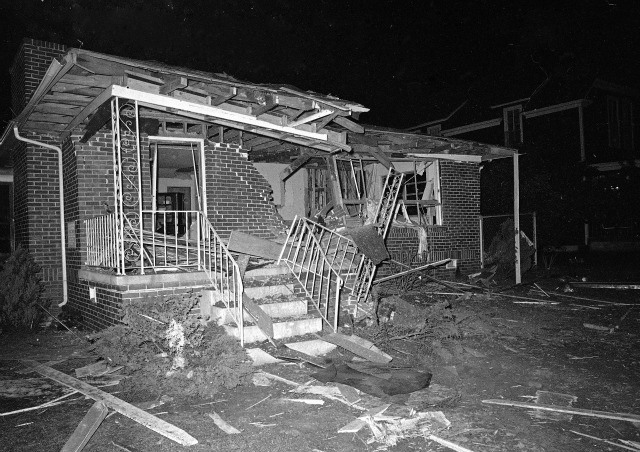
(395, 57)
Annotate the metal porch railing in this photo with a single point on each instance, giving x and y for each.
(170, 240)
(311, 260)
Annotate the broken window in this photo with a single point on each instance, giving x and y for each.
(421, 194)
(620, 123)
(512, 125)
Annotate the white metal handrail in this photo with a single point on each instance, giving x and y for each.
(320, 259)
(183, 240)
(223, 272)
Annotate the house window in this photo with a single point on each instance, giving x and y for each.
(512, 118)
(620, 122)
(421, 195)
(434, 131)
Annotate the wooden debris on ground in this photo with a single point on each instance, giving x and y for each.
(95, 369)
(48, 404)
(379, 381)
(314, 347)
(28, 387)
(86, 428)
(154, 403)
(449, 444)
(358, 346)
(142, 417)
(305, 401)
(591, 326)
(635, 444)
(612, 443)
(351, 394)
(388, 428)
(553, 398)
(222, 424)
(570, 410)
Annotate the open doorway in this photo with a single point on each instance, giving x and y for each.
(177, 183)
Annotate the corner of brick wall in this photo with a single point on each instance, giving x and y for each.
(28, 68)
(458, 237)
(238, 196)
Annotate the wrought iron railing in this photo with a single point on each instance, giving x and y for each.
(311, 260)
(170, 240)
(102, 241)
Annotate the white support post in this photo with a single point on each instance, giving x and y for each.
(154, 184)
(516, 217)
(140, 206)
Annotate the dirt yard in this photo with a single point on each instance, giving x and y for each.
(488, 347)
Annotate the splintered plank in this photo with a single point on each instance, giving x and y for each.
(262, 318)
(86, 428)
(564, 409)
(358, 346)
(240, 242)
(140, 416)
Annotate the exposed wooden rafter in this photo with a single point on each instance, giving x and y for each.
(173, 83)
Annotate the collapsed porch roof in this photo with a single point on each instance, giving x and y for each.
(73, 92)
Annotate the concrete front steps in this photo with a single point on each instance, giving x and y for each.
(272, 289)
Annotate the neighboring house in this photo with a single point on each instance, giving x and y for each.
(162, 165)
(565, 120)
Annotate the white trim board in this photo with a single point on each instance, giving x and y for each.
(169, 102)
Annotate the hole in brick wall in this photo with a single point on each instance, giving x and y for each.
(92, 294)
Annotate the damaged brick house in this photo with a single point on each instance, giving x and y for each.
(169, 173)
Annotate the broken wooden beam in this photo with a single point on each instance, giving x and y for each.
(358, 346)
(86, 428)
(140, 416)
(413, 270)
(241, 242)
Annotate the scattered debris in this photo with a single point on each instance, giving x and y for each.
(87, 427)
(379, 382)
(553, 398)
(389, 428)
(348, 392)
(306, 401)
(28, 387)
(635, 444)
(154, 403)
(51, 403)
(222, 424)
(96, 369)
(605, 285)
(258, 402)
(448, 444)
(583, 412)
(265, 375)
(596, 327)
(157, 425)
(622, 446)
(358, 346)
(314, 347)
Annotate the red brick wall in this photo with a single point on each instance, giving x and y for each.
(459, 235)
(28, 69)
(37, 208)
(238, 196)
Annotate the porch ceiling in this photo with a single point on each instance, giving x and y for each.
(76, 93)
